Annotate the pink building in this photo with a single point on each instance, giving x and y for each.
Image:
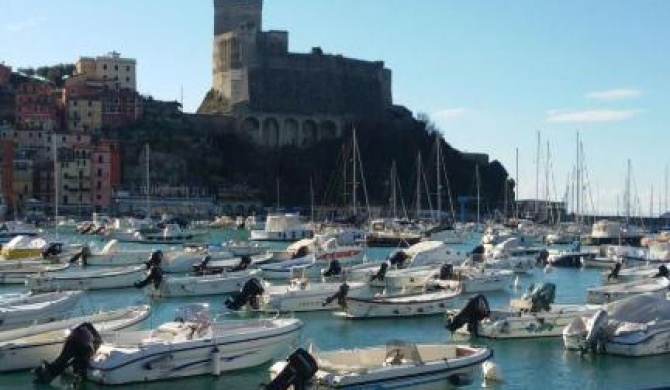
(105, 173)
(36, 106)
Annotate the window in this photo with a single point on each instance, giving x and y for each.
(100, 159)
(104, 67)
(90, 103)
(116, 67)
(98, 197)
(99, 172)
(99, 185)
(127, 68)
(127, 79)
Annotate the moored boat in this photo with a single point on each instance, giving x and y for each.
(95, 279)
(191, 346)
(614, 292)
(37, 308)
(401, 305)
(199, 285)
(397, 365)
(25, 348)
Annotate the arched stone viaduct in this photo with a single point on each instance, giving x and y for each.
(275, 130)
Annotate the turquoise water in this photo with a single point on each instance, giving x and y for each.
(525, 364)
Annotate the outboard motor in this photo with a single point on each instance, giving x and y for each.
(446, 271)
(300, 368)
(86, 229)
(596, 332)
(541, 296)
(83, 254)
(202, 266)
(662, 272)
(398, 259)
(542, 258)
(155, 276)
(478, 253)
(79, 348)
(474, 311)
(301, 252)
(615, 271)
(52, 250)
(381, 274)
(340, 295)
(244, 263)
(155, 259)
(250, 292)
(334, 269)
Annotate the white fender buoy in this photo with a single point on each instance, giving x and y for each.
(548, 268)
(491, 371)
(216, 361)
(517, 283)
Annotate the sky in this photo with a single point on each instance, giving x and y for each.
(492, 75)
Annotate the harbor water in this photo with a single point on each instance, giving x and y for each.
(525, 363)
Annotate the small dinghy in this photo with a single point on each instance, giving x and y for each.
(299, 295)
(635, 326)
(16, 272)
(534, 315)
(96, 279)
(303, 266)
(402, 305)
(614, 292)
(25, 348)
(191, 345)
(397, 365)
(471, 279)
(199, 285)
(35, 309)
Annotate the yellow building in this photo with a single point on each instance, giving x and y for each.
(84, 115)
(112, 69)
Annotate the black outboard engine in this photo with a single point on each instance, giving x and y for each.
(662, 272)
(300, 368)
(334, 269)
(474, 311)
(541, 296)
(446, 271)
(340, 295)
(398, 259)
(542, 258)
(301, 252)
(244, 263)
(381, 274)
(155, 276)
(86, 229)
(250, 292)
(478, 253)
(79, 348)
(202, 266)
(83, 254)
(615, 271)
(155, 259)
(53, 249)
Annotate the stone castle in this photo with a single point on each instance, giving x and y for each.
(282, 98)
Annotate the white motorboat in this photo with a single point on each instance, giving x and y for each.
(213, 284)
(615, 292)
(635, 273)
(401, 305)
(304, 266)
(282, 227)
(191, 346)
(534, 315)
(110, 256)
(16, 271)
(24, 348)
(96, 279)
(21, 247)
(298, 295)
(327, 249)
(245, 248)
(35, 309)
(397, 365)
(606, 232)
(172, 233)
(473, 280)
(635, 326)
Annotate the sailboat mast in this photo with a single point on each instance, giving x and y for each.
(578, 182)
(627, 199)
(394, 198)
(537, 174)
(311, 197)
(146, 163)
(516, 186)
(477, 182)
(438, 182)
(56, 194)
(353, 177)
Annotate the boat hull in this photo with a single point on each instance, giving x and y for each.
(103, 279)
(191, 286)
(399, 306)
(20, 351)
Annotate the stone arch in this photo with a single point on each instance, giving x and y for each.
(309, 132)
(271, 135)
(291, 132)
(328, 129)
(252, 127)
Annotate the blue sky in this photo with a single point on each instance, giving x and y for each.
(491, 74)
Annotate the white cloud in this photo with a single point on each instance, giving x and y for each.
(615, 94)
(23, 25)
(591, 115)
(447, 114)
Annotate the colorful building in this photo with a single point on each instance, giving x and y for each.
(84, 115)
(115, 71)
(5, 75)
(36, 106)
(105, 173)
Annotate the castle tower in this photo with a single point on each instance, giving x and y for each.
(237, 25)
